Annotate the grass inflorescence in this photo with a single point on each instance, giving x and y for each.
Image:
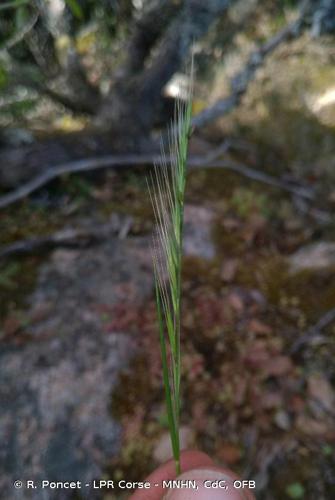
(169, 179)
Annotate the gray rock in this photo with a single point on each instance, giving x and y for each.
(319, 255)
(163, 450)
(282, 420)
(55, 391)
(198, 239)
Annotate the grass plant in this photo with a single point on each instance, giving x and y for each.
(167, 196)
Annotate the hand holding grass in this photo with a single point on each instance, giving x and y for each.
(197, 466)
(168, 204)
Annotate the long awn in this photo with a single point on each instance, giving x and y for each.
(167, 198)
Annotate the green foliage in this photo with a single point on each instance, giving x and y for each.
(18, 108)
(246, 202)
(163, 420)
(14, 4)
(168, 204)
(75, 8)
(8, 274)
(290, 3)
(295, 490)
(21, 16)
(77, 187)
(327, 450)
(3, 76)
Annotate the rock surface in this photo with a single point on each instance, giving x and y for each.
(318, 255)
(59, 370)
(163, 449)
(198, 241)
(55, 391)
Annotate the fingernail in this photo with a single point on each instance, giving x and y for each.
(204, 484)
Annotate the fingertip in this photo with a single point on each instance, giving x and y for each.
(207, 484)
(189, 459)
(192, 459)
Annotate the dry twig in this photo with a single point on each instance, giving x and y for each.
(241, 81)
(314, 331)
(116, 161)
(68, 238)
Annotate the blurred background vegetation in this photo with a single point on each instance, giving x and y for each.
(86, 89)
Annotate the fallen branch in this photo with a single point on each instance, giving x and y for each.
(116, 161)
(241, 81)
(321, 216)
(259, 176)
(314, 331)
(69, 238)
(85, 165)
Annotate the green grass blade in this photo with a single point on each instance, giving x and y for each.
(174, 434)
(168, 204)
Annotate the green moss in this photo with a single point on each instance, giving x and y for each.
(129, 195)
(198, 271)
(306, 474)
(17, 279)
(18, 276)
(133, 392)
(134, 386)
(245, 201)
(313, 292)
(211, 184)
(25, 221)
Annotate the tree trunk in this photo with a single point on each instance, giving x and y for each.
(130, 108)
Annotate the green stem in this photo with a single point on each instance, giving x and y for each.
(169, 212)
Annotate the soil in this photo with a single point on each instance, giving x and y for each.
(80, 358)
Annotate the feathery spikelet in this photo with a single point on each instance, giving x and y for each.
(167, 199)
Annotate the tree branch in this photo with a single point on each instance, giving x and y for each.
(145, 32)
(86, 100)
(78, 106)
(84, 95)
(192, 23)
(241, 81)
(313, 331)
(116, 161)
(140, 96)
(68, 238)
(20, 35)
